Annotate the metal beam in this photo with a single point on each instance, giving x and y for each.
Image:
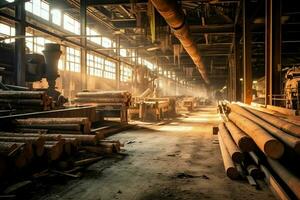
(113, 2)
(247, 54)
(272, 49)
(83, 41)
(20, 14)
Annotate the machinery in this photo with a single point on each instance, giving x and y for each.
(292, 88)
(37, 67)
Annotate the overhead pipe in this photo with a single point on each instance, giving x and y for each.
(175, 17)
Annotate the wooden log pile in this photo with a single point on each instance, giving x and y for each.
(79, 125)
(262, 143)
(103, 97)
(25, 100)
(20, 151)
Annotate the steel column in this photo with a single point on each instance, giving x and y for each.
(118, 67)
(247, 54)
(272, 49)
(20, 14)
(238, 67)
(83, 41)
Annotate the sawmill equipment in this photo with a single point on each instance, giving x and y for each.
(292, 88)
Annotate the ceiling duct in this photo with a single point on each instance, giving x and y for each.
(175, 17)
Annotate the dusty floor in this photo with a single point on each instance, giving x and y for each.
(159, 162)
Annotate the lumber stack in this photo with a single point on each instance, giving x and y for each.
(103, 97)
(275, 148)
(109, 103)
(25, 100)
(79, 125)
(20, 150)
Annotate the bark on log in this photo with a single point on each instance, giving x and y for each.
(233, 150)
(284, 125)
(22, 94)
(67, 127)
(229, 166)
(6, 148)
(53, 150)
(98, 150)
(265, 142)
(290, 179)
(87, 161)
(245, 143)
(289, 140)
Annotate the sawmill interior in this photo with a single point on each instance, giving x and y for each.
(149, 99)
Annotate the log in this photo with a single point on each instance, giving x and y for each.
(101, 100)
(31, 130)
(65, 132)
(289, 140)
(23, 102)
(25, 148)
(48, 121)
(286, 176)
(233, 150)
(229, 166)
(87, 161)
(99, 94)
(22, 95)
(53, 151)
(265, 142)
(245, 143)
(67, 127)
(254, 171)
(46, 136)
(38, 142)
(6, 148)
(284, 125)
(270, 180)
(98, 150)
(20, 160)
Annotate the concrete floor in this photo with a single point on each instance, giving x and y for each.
(178, 160)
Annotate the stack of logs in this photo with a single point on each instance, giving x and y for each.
(21, 150)
(101, 98)
(25, 100)
(263, 144)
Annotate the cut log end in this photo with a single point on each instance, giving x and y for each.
(246, 144)
(232, 173)
(238, 157)
(274, 149)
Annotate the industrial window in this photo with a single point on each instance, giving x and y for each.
(106, 42)
(126, 73)
(73, 60)
(36, 44)
(29, 42)
(94, 39)
(71, 24)
(39, 8)
(149, 65)
(133, 56)
(123, 52)
(6, 30)
(56, 17)
(95, 65)
(109, 70)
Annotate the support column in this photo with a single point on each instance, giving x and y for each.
(20, 14)
(272, 49)
(118, 67)
(83, 41)
(238, 67)
(247, 54)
